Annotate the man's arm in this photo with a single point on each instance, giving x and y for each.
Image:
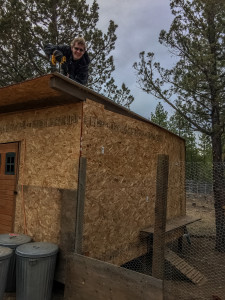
(49, 49)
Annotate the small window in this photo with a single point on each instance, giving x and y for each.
(10, 163)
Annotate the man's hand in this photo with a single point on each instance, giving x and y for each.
(58, 55)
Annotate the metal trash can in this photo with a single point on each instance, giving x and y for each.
(13, 240)
(35, 267)
(5, 255)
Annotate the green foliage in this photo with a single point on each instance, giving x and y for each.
(200, 170)
(205, 148)
(160, 116)
(180, 126)
(26, 25)
(118, 95)
(196, 39)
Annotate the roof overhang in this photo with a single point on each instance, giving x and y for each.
(40, 92)
(54, 90)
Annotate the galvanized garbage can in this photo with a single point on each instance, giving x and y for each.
(13, 240)
(35, 267)
(5, 255)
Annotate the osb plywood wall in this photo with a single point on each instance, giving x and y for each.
(121, 157)
(48, 163)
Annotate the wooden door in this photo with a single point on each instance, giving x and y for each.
(8, 180)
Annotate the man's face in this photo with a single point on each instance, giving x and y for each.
(77, 51)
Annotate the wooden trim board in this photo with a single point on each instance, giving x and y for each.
(88, 278)
(174, 224)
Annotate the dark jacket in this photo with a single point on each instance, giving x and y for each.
(77, 69)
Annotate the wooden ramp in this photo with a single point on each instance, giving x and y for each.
(187, 270)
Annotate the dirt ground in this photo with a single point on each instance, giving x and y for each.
(200, 254)
(203, 207)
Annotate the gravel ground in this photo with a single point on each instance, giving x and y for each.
(57, 293)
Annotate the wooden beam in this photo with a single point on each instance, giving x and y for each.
(61, 85)
(175, 223)
(160, 217)
(67, 231)
(80, 205)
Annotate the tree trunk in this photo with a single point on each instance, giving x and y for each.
(219, 191)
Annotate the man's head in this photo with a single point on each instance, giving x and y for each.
(78, 47)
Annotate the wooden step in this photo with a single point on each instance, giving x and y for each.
(186, 269)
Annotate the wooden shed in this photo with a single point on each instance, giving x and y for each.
(79, 170)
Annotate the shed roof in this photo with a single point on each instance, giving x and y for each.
(53, 90)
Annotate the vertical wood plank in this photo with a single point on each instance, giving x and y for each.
(80, 205)
(67, 231)
(160, 216)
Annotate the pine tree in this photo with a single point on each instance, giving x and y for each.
(160, 116)
(197, 39)
(205, 158)
(27, 25)
(205, 148)
(180, 126)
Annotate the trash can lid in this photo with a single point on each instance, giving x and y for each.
(5, 252)
(12, 240)
(37, 249)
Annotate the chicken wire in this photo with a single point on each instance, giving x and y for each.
(200, 243)
(198, 252)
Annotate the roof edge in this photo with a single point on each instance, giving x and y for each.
(109, 104)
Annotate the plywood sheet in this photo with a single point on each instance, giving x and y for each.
(50, 145)
(33, 90)
(48, 164)
(50, 215)
(29, 90)
(42, 212)
(121, 157)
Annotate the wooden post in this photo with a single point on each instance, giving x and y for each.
(80, 205)
(160, 217)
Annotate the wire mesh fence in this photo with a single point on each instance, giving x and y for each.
(200, 274)
(193, 241)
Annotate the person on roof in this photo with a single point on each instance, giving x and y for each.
(77, 59)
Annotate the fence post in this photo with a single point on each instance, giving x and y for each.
(160, 216)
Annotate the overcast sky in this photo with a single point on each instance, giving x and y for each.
(139, 24)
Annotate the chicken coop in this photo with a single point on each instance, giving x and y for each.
(79, 170)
